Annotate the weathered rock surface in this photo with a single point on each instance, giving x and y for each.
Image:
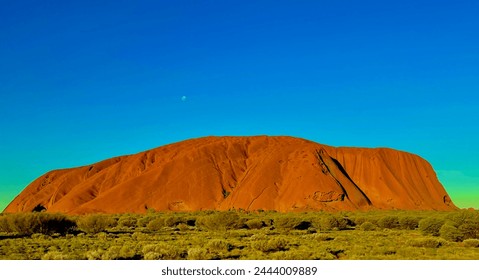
(251, 173)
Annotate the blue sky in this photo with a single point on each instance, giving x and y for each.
(81, 81)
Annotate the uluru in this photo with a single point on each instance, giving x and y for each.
(251, 173)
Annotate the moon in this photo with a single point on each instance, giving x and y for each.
(183, 98)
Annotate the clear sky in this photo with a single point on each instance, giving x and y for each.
(82, 81)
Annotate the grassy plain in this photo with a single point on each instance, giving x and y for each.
(403, 235)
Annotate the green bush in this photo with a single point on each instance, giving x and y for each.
(271, 245)
(183, 227)
(218, 245)
(143, 221)
(156, 224)
(127, 252)
(221, 221)
(140, 236)
(117, 252)
(95, 223)
(199, 254)
(451, 233)
(112, 253)
(320, 237)
(54, 255)
(462, 216)
(255, 224)
(127, 221)
(467, 222)
(302, 255)
(359, 220)
(173, 220)
(390, 222)
(31, 223)
(95, 254)
(4, 224)
(163, 251)
(409, 222)
(474, 243)
(367, 226)
(40, 237)
(54, 223)
(290, 223)
(334, 222)
(426, 242)
(470, 228)
(431, 225)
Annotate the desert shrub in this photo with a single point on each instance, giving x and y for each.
(382, 252)
(333, 222)
(55, 223)
(40, 237)
(271, 245)
(152, 256)
(140, 236)
(290, 223)
(4, 226)
(469, 228)
(451, 233)
(30, 223)
(474, 243)
(337, 252)
(426, 242)
(467, 222)
(218, 245)
(199, 254)
(255, 224)
(103, 236)
(320, 237)
(94, 254)
(143, 221)
(95, 223)
(258, 236)
(163, 251)
(127, 221)
(21, 223)
(220, 221)
(359, 220)
(113, 253)
(156, 224)
(389, 222)
(183, 227)
(54, 255)
(462, 216)
(408, 222)
(301, 255)
(173, 220)
(116, 252)
(367, 226)
(431, 225)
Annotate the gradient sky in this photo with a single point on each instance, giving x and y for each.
(82, 81)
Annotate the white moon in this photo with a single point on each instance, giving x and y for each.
(183, 98)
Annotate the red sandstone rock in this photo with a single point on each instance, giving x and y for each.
(250, 173)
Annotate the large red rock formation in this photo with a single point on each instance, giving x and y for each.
(251, 173)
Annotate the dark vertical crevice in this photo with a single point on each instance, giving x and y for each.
(327, 170)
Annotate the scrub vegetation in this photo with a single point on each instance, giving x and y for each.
(405, 235)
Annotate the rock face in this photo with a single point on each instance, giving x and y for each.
(250, 173)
